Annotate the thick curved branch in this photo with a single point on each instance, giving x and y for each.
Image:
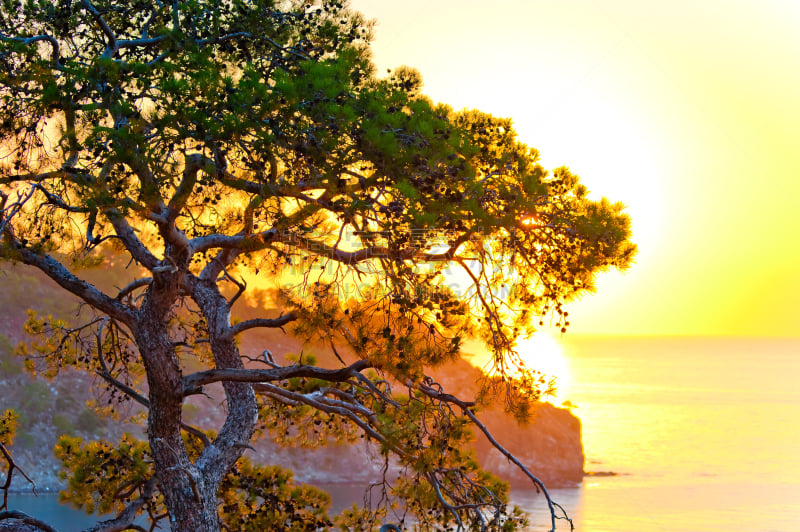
(111, 46)
(233, 436)
(125, 518)
(254, 242)
(259, 241)
(196, 380)
(218, 264)
(26, 519)
(132, 243)
(138, 283)
(263, 323)
(56, 57)
(67, 280)
(38, 178)
(372, 252)
(144, 41)
(194, 163)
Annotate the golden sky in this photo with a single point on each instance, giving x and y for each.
(688, 112)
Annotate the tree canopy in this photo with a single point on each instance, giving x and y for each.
(211, 147)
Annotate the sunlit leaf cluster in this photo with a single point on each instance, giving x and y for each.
(8, 426)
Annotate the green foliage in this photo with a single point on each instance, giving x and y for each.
(266, 498)
(60, 350)
(102, 477)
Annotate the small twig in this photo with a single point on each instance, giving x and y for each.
(12, 466)
(124, 519)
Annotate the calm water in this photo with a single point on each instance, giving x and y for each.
(704, 434)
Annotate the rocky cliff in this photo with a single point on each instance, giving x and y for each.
(549, 444)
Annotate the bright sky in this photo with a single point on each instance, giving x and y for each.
(688, 112)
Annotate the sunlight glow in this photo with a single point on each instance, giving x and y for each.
(529, 221)
(675, 125)
(540, 352)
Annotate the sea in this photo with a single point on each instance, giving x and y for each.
(701, 434)
(681, 434)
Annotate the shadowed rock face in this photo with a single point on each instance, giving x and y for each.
(549, 446)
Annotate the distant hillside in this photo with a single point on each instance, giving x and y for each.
(47, 409)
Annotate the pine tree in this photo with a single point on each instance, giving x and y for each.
(203, 144)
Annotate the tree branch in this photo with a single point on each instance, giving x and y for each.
(259, 241)
(331, 407)
(125, 518)
(254, 242)
(111, 46)
(201, 378)
(138, 283)
(67, 280)
(248, 35)
(132, 243)
(36, 178)
(466, 409)
(27, 519)
(192, 166)
(12, 466)
(263, 322)
(56, 56)
(143, 41)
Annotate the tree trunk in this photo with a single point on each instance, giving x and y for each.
(191, 503)
(190, 489)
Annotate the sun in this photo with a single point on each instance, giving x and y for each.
(542, 352)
